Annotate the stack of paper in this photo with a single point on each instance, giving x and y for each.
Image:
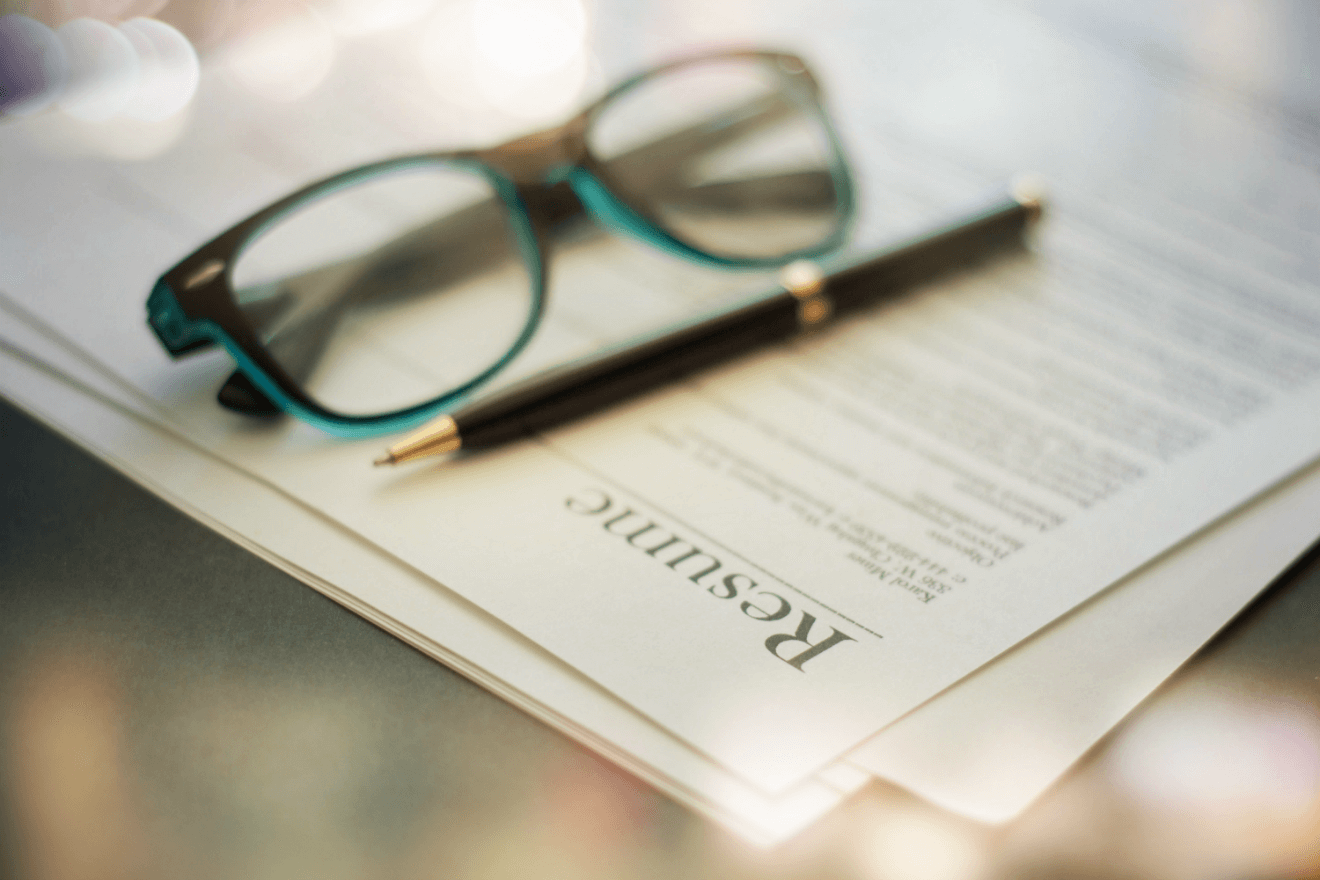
(949, 543)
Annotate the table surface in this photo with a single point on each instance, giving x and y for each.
(170, 705)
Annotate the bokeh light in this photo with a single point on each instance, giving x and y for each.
(67, 766)
(913, 845)
(524, 61)
(169, 70)
(528, 38)
(95, 72)
(1216, 757)
(358, 17)
(103, 70)
(1226, 781)
(287, 59)
(33, 65)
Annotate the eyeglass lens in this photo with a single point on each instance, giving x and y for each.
(373, 295)
(730, 156)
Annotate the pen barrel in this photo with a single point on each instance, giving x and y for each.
(573, 390)
(933, 255)
(576, 389)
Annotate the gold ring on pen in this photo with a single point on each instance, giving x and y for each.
(806, 282)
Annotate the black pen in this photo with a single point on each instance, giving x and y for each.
(808, 299)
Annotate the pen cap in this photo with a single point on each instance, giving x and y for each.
(936, 254)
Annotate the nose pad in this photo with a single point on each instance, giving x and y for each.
(242, 396)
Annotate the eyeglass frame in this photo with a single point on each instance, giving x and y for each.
(193, 306)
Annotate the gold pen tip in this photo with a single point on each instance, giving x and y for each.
(1029, 191)
(440, 437)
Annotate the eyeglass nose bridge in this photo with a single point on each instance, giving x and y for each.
(532, 158)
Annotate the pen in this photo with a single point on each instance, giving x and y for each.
(808, 298)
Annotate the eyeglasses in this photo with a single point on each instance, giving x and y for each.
(371, 300)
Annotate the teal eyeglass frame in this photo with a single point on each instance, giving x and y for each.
(541, 179)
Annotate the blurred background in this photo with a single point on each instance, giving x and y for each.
(243, 726)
